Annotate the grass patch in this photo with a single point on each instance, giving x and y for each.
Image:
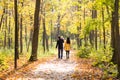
(5, 56)
(42, 54)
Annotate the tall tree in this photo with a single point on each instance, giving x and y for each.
(26, 40)
(5, 27)
(45, 36)
(94, 16)
(115, 35)
(33, 56)
(44, 29)
(31, 34)
(21, 29)
(79, 43)
(104, 38)
(51, 22)
(16, 34)
(9, 31)
(1, 20)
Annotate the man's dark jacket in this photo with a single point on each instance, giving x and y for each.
(60, 43)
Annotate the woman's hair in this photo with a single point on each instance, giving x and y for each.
(58, 37)
(68, 40)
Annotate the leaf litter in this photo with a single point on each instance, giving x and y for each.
(59, 69)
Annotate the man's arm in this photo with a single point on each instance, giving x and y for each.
(56, 44)
(63, 40)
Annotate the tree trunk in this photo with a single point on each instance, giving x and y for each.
(47, 44)
(30, 39)
(85, 37)
(115, 32)
(94, 15)
(33, 56)
(44, 34)
(96, 38)
(45, 37)
(100, 37)
(43, 22)
(79, 43)
(16, 34)
(51, 34)
(5, 27)
(91, 36)
(1, 20)
(4, 33)
(58, 26)
(104, 39)
(26, 36)
(78, 37)
(21, 29)
(9, 32)
(115, 36)
(31, 34)
(21, 45)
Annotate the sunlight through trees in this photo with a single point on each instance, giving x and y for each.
(29, 29)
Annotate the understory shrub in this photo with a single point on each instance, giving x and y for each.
(84, 52)
(102, 59)
(3, 62)
(4, 57)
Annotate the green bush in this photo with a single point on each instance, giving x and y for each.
(101, 55)
(84, 52)
(102, 59)
(3, 62)
(4, 55)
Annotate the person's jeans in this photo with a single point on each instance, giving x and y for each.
(67, 54)
(60, 53)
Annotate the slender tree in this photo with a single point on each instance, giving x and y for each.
(115, 35)
(94, 16)
(9, 31)
(104, 38)
(45, 36)
(47, 45)
(51, 22)
(21, 29)
(26, 40)
(33, 56)
(5, 27)
(16, 34)
(31, 34)
(30, 39)
(79, 43)
(44, 30)
(1, 20)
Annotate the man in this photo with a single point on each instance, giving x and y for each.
(59, 45)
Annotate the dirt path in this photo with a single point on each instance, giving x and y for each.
(54, 70)
(61, 69)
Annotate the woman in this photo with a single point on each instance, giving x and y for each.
(67, 47)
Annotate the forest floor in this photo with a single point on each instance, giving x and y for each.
(58, 69)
